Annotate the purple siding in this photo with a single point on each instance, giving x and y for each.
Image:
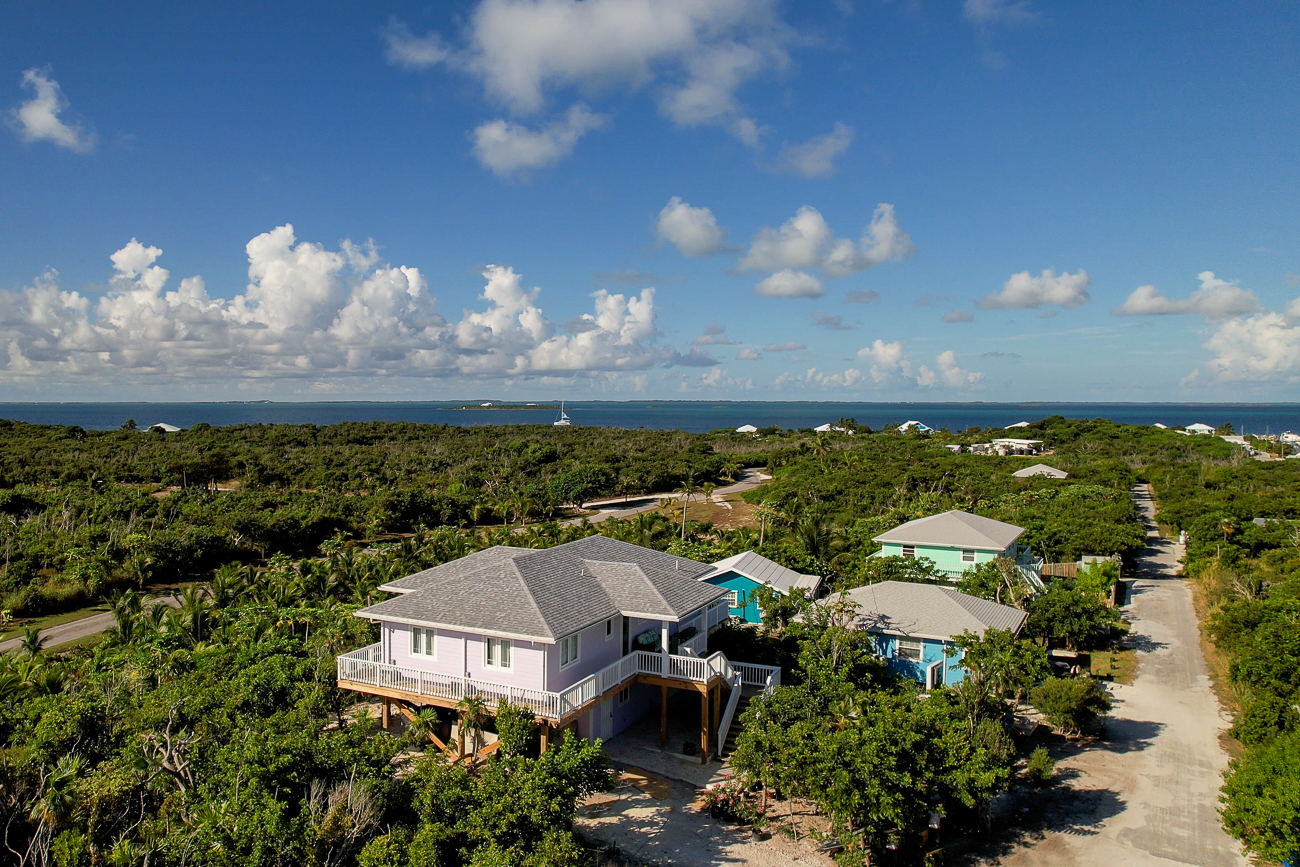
(461, 654)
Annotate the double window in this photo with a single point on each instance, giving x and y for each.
(733, 599)
(909, 550)
(968, 555)
(910, 648)
(496, 652)
(624, 695)
(423, 641)
(569, 650)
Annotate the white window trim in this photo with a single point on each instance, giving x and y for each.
(427, 638)
(970, 552)
(920, 649)
(577, 649)
(499, 643)
(610, 631)
(909, 551)
(733, 599)
(624, 695)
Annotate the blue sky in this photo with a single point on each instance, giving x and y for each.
(862, 199)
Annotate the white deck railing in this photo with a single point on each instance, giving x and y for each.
(364, 666)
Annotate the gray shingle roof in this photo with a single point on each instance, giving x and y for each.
(929, 610)
(758, 568)
(954, 530)
(544, 595)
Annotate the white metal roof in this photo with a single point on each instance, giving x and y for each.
(954, 529)
(1017, 424)
(1040, 470)
(165, 427)
(758, 568)
(746, 428)
(1015, 442)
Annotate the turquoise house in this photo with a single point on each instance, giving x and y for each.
(956, 541)
(913, 627)
(743, 574)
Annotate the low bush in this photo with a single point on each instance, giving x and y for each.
(1041, 768)
(1073, 705)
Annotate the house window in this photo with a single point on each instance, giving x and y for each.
(909, 648)
(609, 629)
(569, 650)
(422, 641)
(624, 695)
(909, 550)
(968, 555)
(496, 652)
(733, 599)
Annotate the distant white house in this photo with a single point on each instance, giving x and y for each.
(1017, 424)
(1011, 446)
(746, 428)
(1199, 429)
(1161, 426)
(828, 427)
(914, 425)
(955, 448)
(164, 427)
(1040, 470)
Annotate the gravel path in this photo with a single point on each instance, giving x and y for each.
(1148, 795)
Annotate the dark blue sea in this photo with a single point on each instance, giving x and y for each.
(696, 416)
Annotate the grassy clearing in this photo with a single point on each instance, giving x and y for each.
(1118, 665)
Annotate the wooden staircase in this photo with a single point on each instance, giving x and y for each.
(729, 745)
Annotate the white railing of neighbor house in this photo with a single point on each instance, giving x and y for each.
(363, 667)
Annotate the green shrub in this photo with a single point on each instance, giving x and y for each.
(1072, 705)
(1261, 798)
(1041, 768)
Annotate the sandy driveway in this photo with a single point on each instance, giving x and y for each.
(1148, 795)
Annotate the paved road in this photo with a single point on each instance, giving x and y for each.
(78, 629)
(1148, 795)
(749, 479)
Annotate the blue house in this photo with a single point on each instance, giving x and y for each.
(913, 625)
(743, 574)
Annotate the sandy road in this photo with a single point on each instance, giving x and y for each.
(1148, 795)
(78, 629)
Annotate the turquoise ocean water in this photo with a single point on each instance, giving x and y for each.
(696, 416)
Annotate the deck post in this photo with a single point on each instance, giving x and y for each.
(717, 707)
(546, 735)
(384, 714)
(663, 715)
(705, 700)
(460, 735)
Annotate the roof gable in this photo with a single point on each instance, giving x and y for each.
(929, 610)
(761, 570)
(545, 594)
(954, 529)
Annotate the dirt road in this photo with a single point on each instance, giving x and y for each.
(749, 479)
(1148, 795)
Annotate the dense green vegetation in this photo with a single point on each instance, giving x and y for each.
(1248, 577)
(82, 512)
(213, 734)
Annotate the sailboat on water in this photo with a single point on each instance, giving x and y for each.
(563, 420)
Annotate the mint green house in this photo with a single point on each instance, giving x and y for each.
(958, 541)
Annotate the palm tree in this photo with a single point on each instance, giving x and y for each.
(686, 489)
(32, 642)
(473, 715)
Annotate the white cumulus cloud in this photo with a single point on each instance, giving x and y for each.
(891, 365)
(789, 283)
(508, 148)
(37, 119)
(1023, 291)
(816, 158)
(806, 241)
(696, 54)
(1260, 348)
(693, 231)
(1216, 299)
(748, 354)
(311, 314)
